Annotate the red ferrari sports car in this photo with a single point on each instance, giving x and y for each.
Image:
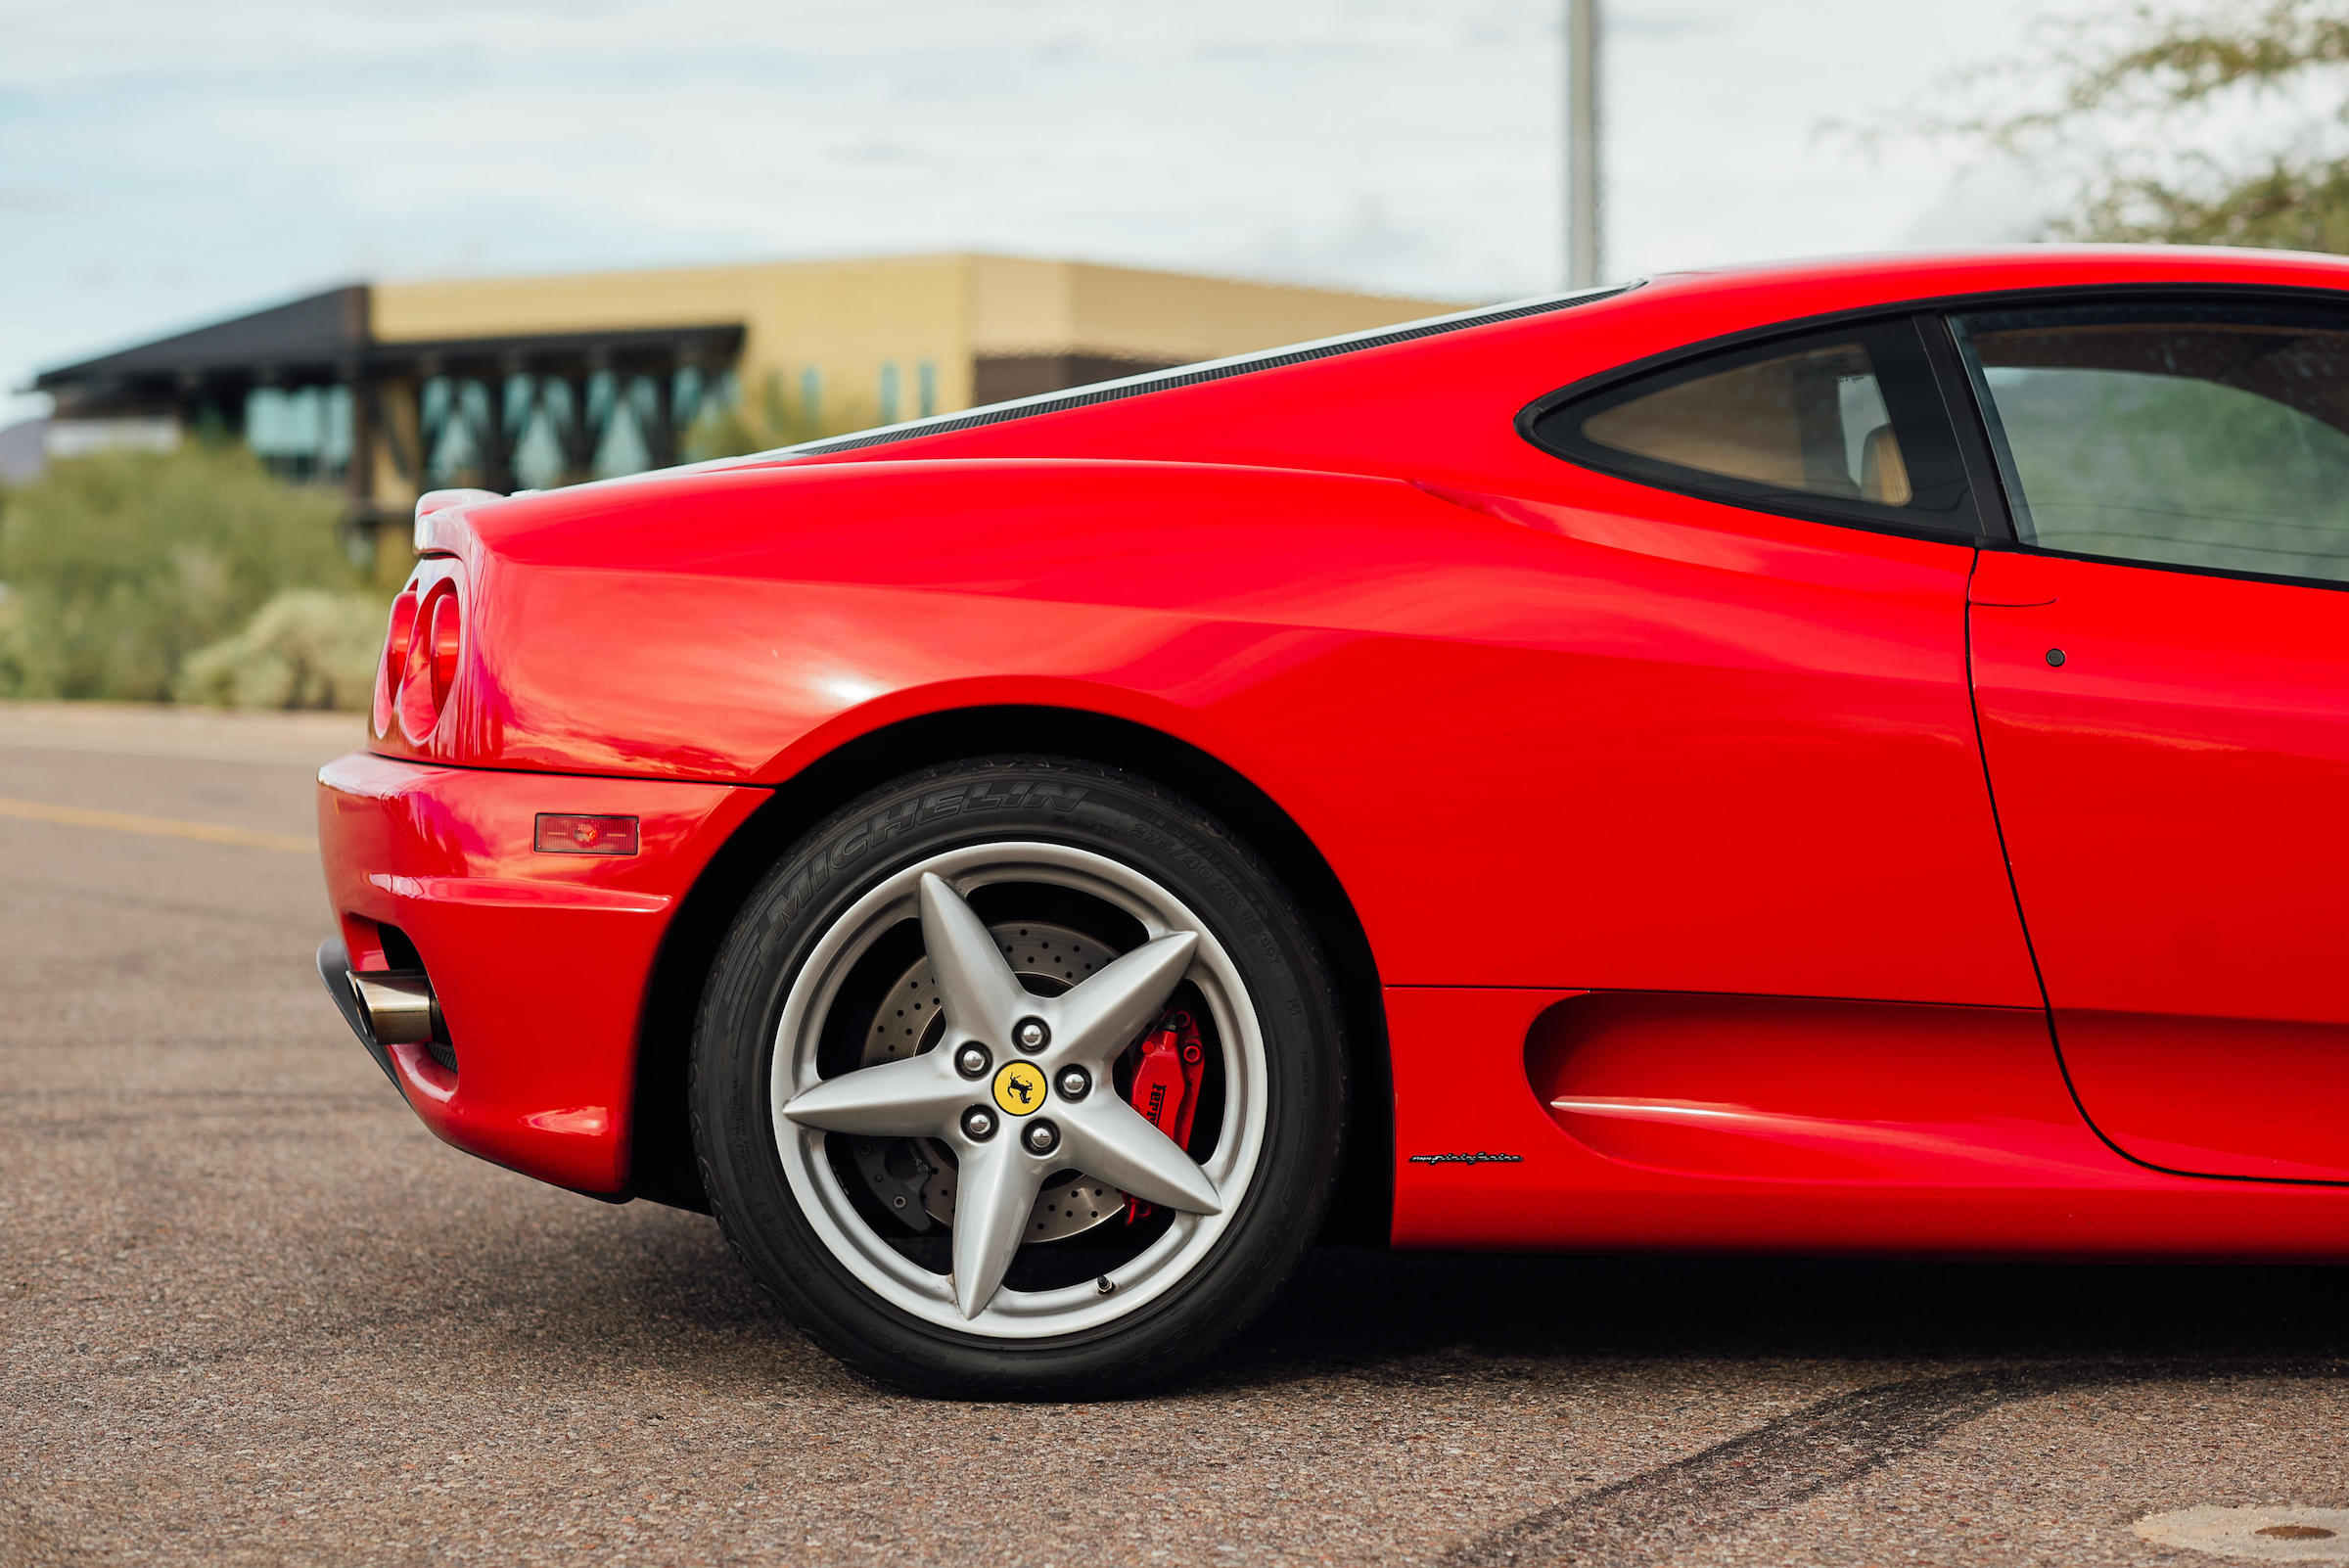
(1838, 757)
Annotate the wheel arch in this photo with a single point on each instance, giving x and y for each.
(661, 1158)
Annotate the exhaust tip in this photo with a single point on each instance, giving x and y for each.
(399, 1007)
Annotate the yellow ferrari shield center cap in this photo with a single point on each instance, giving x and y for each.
(1020, 1087)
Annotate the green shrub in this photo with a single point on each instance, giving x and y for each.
(119, 566)
(305, 648)
(12, 674)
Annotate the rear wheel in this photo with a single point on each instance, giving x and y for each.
(1019, 1077)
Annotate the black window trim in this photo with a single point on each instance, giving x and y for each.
(1969, 422)
(1966, 418)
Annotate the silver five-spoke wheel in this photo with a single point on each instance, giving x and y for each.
(1018, 1087)
(1019, 1076)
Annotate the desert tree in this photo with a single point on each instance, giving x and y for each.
(2222, 124)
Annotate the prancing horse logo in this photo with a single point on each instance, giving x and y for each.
(1020, 1087)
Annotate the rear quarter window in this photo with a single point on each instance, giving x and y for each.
(1845, 423)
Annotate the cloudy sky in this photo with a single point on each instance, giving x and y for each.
(162, 163)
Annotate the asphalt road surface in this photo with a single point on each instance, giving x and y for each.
(251, 1312)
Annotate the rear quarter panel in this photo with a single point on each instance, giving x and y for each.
(1688, 748)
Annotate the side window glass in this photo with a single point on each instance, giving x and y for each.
(2202, 434)
(1845, 424)
(1811, 421)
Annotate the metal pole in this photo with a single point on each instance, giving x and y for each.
(1583, 253)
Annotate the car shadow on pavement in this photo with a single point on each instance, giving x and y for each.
(1362, 1312)
(665, 1285)
(1917, 1351)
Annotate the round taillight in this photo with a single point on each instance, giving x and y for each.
(444, 642)
(431, 666)
(396, 659)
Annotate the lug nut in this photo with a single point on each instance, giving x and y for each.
(972, 1061)
(1041, 1137)
(1074, 1082)
(1030, 1035)
(977, 1124)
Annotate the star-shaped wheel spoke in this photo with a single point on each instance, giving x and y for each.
(1001, 1170)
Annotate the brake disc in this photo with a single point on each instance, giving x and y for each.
(914, 1177)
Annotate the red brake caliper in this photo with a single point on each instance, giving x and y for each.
(1166, 1086)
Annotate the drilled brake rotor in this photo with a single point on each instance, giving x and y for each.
(912, 1177)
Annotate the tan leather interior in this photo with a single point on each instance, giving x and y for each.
(1883, 476)
(1740, 423)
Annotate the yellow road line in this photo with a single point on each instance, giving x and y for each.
(161, 827)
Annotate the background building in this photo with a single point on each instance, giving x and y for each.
(387, 389)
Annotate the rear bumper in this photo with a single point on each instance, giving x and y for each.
(334, 967)
(540, 962)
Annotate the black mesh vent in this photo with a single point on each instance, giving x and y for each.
(1167, 381)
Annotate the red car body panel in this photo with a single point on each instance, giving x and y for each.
(522, 945)
(1696, 790)
(1769, 709)
(1843, 1128)
(2178, 813)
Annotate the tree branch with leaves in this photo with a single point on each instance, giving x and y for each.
(2134, 102)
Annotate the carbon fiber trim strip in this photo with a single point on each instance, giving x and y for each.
(1109, 391)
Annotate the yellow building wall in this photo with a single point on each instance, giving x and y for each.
(1028, 307)
(847, 319)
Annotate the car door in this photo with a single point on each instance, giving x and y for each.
(2161, 669)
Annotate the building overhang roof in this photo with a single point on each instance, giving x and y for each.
(322, 329)
(559, 353)
(325, 338)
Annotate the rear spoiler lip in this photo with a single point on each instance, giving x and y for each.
(436, 513)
